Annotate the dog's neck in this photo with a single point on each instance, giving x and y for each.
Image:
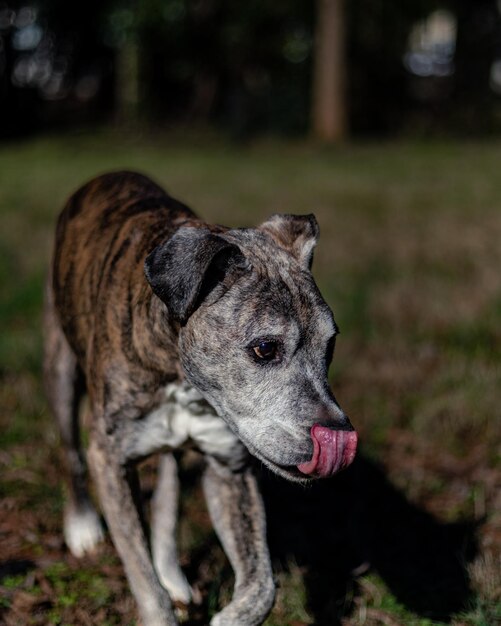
(183, 417)
(156, 342)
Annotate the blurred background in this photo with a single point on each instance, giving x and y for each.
(340, 68)
(384, 119)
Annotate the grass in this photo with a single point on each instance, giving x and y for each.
(409, 259)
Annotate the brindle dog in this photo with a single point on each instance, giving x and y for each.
(185, 333)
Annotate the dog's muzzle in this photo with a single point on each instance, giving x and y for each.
(333, 450)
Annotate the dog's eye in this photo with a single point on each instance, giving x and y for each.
(266, 350)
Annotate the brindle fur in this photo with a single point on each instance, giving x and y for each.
(121, 337)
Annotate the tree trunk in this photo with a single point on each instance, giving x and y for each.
(127, 92)
(329, 88)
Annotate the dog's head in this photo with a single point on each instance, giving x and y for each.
(256, 339)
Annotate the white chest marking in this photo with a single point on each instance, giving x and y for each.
(185, 416)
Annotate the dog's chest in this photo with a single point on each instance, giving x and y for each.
(184, 417)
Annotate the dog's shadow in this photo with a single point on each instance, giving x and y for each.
(357, 520)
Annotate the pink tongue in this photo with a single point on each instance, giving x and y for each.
(333, 450)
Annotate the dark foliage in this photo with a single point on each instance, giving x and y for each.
(246, 68)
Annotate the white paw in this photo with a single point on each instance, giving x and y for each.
(176, 584)
(217, 620)
(82, 531)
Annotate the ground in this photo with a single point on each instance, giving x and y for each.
(410, 260)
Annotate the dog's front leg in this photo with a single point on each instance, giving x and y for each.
(116, 484)
(237, 512)
(164, 508)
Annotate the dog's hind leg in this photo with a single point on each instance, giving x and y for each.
(65, 386)
(237, 512)
(164, 511)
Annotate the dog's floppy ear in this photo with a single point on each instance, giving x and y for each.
(298, 234)
(185, 268)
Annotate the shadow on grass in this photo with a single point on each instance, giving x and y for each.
(15, 567)
(334, 527)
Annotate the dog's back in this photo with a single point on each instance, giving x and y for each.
(111, 223)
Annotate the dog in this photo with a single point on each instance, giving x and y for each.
(183, 334)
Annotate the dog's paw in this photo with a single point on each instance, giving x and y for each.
(249, 607)
(176, 584)
(82, 531)
(219, 620)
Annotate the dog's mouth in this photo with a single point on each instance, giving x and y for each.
(289, 472)
(333, 451)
